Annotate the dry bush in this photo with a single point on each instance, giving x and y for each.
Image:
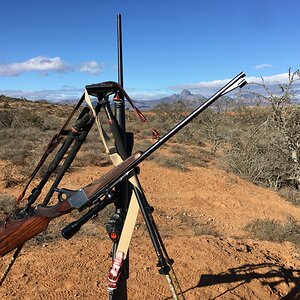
(6, 118)
(186, 222)
(23, 149)
(265, 147)
(26, 129)
(261, 156)
(169, 115)
(141, 130)
(174, 162)
(256, 156)
(290, 194)
(215, 126)
(274, 231)
(7, 205)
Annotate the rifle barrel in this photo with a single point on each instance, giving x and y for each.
(237, 81)
(108, 181)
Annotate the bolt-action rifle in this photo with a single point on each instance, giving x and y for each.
(98, 194)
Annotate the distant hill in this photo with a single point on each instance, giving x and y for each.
(192, 100)
(185, 96)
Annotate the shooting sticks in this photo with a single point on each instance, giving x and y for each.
(113, 187)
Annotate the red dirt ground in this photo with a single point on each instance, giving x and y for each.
(189, 208)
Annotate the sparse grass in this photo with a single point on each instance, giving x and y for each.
(182, 157)
(291, 195)
(92, 158)
(7, 205)
(199, 228)
(274, 231)
(196, 156)
(174, 162)
(142, 144)
(185, 222)
(11, 178)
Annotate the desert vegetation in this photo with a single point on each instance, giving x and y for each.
(207, 185)
(274, 231)
(259, 142)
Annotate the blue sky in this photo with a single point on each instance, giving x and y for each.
(52, 49)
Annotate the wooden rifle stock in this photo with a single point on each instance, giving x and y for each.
(15, 233)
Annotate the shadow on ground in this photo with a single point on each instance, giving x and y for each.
(275, 275)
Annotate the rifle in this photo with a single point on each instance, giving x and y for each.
(15, 233)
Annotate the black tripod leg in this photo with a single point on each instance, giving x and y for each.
(85, 124)
(73, 135)
(164, 262)
(170, 261)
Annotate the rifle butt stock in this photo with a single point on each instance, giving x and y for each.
(15, 233)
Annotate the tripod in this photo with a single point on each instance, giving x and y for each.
(102, 191)
(113, 227)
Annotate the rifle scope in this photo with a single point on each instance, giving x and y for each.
(75, 226)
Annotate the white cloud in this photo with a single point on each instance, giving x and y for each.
(39, 64)
(91, 67)
(72, 93)
(206, 88)
(282, 78)
(263, 66)
(42, 64)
